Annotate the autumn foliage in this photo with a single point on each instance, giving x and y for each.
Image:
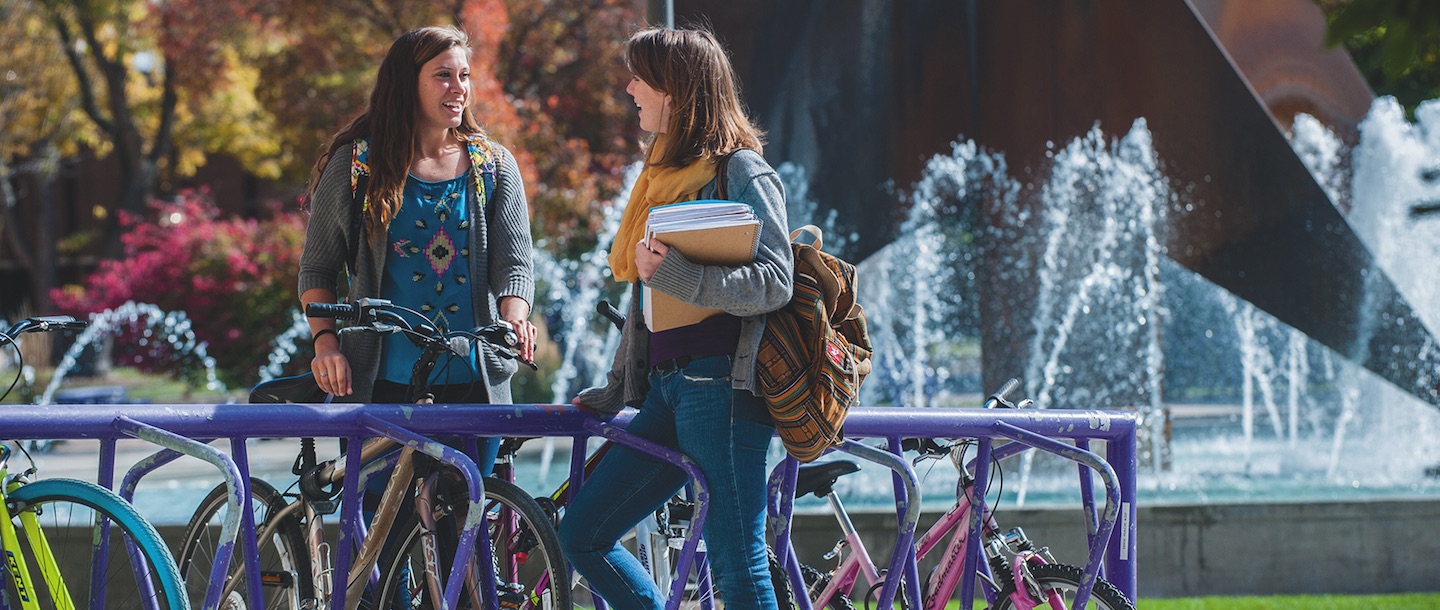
(164, 85)
(234, 278)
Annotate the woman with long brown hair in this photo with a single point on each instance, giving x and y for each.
(411, 202)
(695, 384)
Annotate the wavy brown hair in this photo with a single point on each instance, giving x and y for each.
(707, 119)
(389, 121)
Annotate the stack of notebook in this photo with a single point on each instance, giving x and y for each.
(707, 232)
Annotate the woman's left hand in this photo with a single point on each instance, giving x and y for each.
(648, 258)
(517, 312)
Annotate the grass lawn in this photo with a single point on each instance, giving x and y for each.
(1413, 601)
(139, 387)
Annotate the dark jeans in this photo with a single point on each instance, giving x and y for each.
(727, 432)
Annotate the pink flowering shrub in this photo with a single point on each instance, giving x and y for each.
(235, 279)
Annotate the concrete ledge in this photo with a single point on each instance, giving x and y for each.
(1382, 546)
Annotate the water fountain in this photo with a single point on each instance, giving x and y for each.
(154, 325)
(1254, 409)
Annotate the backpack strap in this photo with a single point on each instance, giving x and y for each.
(811, 229)
(359, 197)
(722, 166)
(482, 161)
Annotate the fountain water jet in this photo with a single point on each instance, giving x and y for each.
(172, 327)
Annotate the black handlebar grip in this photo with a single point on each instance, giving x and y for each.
(59, 323)
(610, 313)
(338, 311)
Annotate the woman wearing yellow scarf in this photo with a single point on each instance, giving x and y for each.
(694, 385)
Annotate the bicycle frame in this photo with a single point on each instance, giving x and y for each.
(959, 553)
(16, 564)
(856, 563)
(902, 561)
(950, 569)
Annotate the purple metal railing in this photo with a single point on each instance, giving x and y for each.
(239, 421)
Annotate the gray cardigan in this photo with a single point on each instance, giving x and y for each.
(748, 291)
(501, 264)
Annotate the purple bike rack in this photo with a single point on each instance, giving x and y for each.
(411, 423)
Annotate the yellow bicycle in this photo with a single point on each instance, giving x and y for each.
(90, 547)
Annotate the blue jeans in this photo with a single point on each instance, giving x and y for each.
(727, 432)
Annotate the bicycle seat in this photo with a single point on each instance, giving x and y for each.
(284, 390)
(819, 479)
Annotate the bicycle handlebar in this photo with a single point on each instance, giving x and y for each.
(606, 309)
(37, 324)
(45, 324)
(337, 311)
(374, 313)
(998, 398)
(930, 448)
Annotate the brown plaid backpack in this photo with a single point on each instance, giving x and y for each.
(815, 352)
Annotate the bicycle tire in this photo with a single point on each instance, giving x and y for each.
(522, 556)
(1066, 580)
(72, 533)
(815, 583)
(784, 595)
(284, 558)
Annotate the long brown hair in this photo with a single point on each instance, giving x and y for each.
(707, 119)
(389, 121)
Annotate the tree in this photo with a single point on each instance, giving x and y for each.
(36, 109)
(155, 80)
(1396, 44)
(561, 64)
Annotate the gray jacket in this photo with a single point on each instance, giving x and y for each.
(502, 263)
(748, 291)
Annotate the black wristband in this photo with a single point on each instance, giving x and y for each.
(322, 332)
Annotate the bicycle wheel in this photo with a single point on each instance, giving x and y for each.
(284, 561)
(1065, 580)
(78, 519)
(530, 572)
(784, 595)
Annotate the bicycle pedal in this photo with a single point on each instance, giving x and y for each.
(512, 598)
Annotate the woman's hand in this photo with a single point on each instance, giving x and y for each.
(517, 312)
(648, 258)
(332, 370)
(582, 406)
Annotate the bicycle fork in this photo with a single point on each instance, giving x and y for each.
(15, 562)
(1027, 593)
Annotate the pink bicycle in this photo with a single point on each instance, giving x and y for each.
(1015, 574)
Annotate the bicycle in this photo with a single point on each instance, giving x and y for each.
(1017, 574)
(421, 521)
(129, 565)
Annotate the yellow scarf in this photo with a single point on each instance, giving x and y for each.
(655, 186)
